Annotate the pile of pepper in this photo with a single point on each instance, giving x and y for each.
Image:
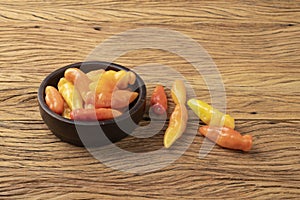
(225, 136)
(96, 95)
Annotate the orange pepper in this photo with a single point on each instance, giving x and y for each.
(106, 83)
(54, 100)
(94, 114)
(111, 80)
(228, 138)
(116, 99)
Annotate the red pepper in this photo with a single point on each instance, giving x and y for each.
(159, 100)
(228, 138)
(94, 114)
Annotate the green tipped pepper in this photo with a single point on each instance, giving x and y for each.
(205, 113)
(70, 94)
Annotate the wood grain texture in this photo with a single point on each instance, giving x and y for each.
(38, 164)
(256, 47)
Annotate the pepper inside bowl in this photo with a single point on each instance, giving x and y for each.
(82, 131)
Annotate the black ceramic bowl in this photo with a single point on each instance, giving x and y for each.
(92, 133)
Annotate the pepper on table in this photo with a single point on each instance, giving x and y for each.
(179, 116)
(205, 112)
(178, 92)
(227, 137)
(159, 100)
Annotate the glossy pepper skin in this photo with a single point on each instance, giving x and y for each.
(205, 113)
(178, 92)
(110, 90)
(94, 114)
(228, 138)
(80, 80)
(177, 125)
(70, 94)
(179, 116)
(117, 99)
(54, 100)
(111, 80)
(159, 100)
(107, 83)
(95, 74)
(67, 111)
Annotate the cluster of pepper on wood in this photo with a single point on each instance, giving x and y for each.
(91, 96)
(101, 95)
(225, 136)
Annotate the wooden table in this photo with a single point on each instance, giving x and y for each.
(256, 47)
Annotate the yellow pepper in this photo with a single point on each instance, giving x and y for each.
(67, 113)
(178, 92)
(205, 113)
(177, 125)
(70, 94)
(179, 117)
(106, 83)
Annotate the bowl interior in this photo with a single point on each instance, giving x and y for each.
(55, 76)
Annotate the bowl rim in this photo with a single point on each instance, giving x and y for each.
(140, 101)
